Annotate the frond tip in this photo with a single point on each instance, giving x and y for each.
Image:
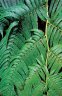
(30, 59)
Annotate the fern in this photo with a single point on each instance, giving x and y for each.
(30, 58)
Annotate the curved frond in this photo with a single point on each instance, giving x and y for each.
(44, 80)
(30, 57)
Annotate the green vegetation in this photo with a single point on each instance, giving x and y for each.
(30, 56)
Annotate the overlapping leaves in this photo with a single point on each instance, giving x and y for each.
(30, 60)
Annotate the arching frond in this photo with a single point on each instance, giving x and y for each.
(30, 57)
(44, 80)
(16, 69)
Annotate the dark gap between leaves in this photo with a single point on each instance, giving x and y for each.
(1, 95)
(45, 93)
(15, 89)
(49, 2)
(0, 37)
(41, 78)
(0, 79)
(25, 2)
(41, 25)
(60, 70)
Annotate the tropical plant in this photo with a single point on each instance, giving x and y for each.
(30, 56)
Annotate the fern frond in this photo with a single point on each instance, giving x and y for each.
(25, 14)
(42, 80)
(17, 63)
(30, 59)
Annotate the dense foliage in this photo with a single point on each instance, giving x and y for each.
(30, 47)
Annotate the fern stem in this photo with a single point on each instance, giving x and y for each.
(46, 33)
(47, 44)
(46, 27)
